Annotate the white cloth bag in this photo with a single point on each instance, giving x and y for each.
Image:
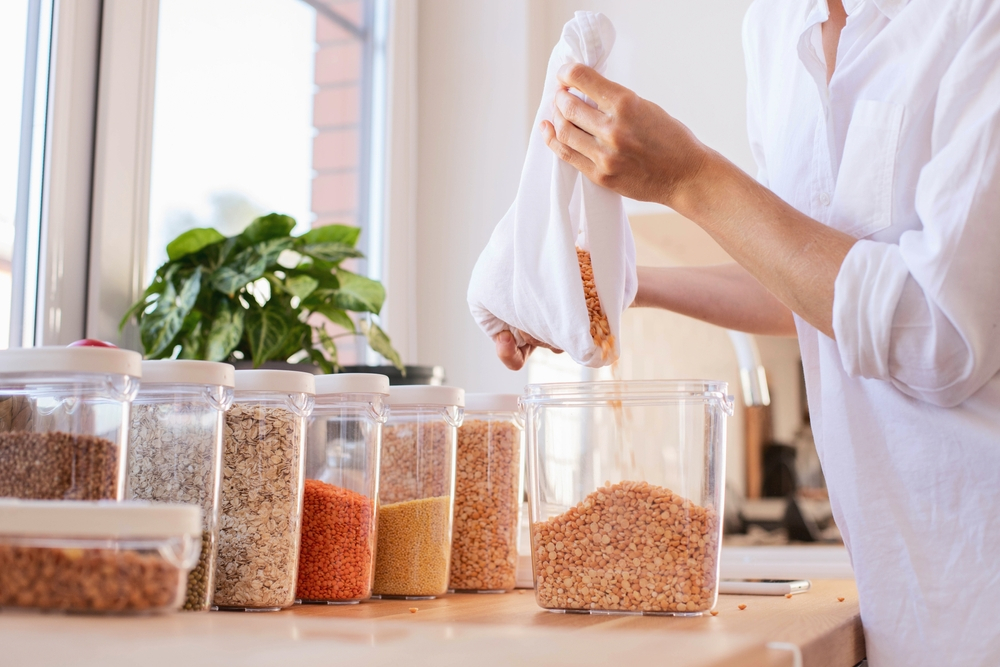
(528, 277)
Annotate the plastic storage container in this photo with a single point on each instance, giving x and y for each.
(625, 485)
(488, 494)
(262, 478)
(175, 450)
(337, 558)
(99, 557)
(64, 419)
(417, 491)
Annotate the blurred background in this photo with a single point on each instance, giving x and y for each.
(408, 118)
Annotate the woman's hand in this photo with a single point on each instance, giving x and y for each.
(514, 357)
(626, 144)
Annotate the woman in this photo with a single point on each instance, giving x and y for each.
(873, 230)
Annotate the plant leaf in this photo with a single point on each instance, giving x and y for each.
(379, 341)
(266, 227)
(337, 316)
(225, 332)
(266, 331)
(246, 267)
(328, 345)
(192, 241)
(191, 340)
(320, 360)
(160, 326)
(300, 285)
(329, 251)
(270, 249)
(332, 234)
(358, 293)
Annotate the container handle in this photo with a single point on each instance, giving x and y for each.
(378, 410)
(454, 415)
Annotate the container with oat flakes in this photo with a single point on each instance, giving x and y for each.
(175, 450)
(262, 481)
(625, 484)
(64, 419)
(416, 491)
(339, 509)
(487, 495)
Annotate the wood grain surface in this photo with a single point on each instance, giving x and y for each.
(827, 631)
(479, 630)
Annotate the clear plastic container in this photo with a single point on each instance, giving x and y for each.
(175, 450)
(339, 510)
(417, 491)
(262, 481)
(64, 421)
(488, 492)
(625, 484)
(97, 557)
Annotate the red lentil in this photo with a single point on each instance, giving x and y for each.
(335, 561)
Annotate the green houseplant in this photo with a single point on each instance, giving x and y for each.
(254, 296)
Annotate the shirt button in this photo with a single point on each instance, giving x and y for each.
(824, 199)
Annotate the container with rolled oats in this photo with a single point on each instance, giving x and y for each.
(262, 484)
(487, 495)
(625, 485)
(416, 491)
(175, 450)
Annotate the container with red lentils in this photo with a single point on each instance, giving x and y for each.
(340, 501)
(488, 493)
(416, 491)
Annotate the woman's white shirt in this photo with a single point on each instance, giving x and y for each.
(902, 151)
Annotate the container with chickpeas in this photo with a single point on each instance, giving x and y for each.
(625, 484)
(417, 491)
(488, 491)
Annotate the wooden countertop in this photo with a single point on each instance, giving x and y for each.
(479, 630)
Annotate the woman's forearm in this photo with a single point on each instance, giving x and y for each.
(725, 295)
(794, 257)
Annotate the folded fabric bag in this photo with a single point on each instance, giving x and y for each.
(560, 265)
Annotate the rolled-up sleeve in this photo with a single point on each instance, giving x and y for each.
(925, 314)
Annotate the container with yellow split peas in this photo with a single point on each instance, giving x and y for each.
(96, 557)
(625, 484)
(416, 491)
(488, 488)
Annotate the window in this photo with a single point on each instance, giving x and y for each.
(258, 108)
(24, 48)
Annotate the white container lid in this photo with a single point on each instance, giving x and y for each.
(491, 402)
(187, 371)
(277, 382)
(103, 360)
(102, 518)
(352, 383)
(422, 394)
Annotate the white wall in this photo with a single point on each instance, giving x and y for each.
(472, 67)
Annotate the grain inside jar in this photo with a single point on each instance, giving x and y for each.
(629, 546)
(259, 531)
(487, 503)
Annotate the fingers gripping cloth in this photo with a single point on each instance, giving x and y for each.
(560, 265)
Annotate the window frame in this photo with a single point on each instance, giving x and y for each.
(95, 183)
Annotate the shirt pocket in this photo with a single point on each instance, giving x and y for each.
(862, 201)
